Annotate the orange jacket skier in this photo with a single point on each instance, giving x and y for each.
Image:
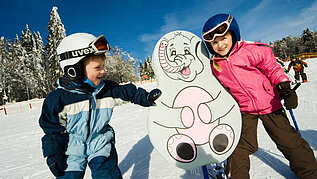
(298, 67)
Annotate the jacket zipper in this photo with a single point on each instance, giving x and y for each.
(229, 65)
(89, 116)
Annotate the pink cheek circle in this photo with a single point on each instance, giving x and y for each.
(204, 113)
(187, 116)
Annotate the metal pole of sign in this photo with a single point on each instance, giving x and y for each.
(205, 172)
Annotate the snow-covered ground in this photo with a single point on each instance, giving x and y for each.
(21, 154)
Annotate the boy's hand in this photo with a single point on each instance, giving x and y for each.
(289, 95)
(57, 164)
(153, 95)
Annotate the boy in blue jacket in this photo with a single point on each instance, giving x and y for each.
(75, 116)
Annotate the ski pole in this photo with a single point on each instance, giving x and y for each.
(291, 111)
(296, 86)
(311, 72)
(205, 172)
(294, 121)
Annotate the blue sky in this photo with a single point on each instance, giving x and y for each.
(136, 25)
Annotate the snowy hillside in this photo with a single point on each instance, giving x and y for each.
(21, 155)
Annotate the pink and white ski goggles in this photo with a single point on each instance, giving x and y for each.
(220, 30)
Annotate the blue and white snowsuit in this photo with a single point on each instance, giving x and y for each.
(75, 119)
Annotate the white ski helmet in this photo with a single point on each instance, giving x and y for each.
(73, 48)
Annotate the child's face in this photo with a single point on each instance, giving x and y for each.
(94, 69)
(222, 44)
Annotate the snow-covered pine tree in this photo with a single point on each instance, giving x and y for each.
(4, 69)
(150, 71)
(315, 38)
(146, 70)
(117, 68)
(131, 67)
(28, 43)
(17, 51)
(56, 32)
(291, 45)
(27, 40)
(308, 41)
(141, 69)
(17, 77)
(280, 48)
(42, 87)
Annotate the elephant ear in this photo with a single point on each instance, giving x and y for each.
(200, 49)
(194, 45)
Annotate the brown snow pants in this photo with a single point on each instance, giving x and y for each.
(288, 141)
(300, 73)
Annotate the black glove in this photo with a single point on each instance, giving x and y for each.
(57, 164)
(153, 95)
(289, 95)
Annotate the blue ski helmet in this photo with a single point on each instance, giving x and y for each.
(218, 19)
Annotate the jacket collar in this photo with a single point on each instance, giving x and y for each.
(65, 83)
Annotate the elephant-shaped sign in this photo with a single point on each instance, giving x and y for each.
(195, 121)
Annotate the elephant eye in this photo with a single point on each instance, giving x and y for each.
(187, 52)
(173, 53)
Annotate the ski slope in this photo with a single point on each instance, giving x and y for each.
(21, 155)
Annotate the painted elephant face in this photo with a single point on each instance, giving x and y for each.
(179, 60)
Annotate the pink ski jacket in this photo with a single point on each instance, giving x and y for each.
(250, 74)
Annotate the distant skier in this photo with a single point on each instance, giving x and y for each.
(298, 67)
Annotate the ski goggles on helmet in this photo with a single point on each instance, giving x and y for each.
(220, 30)
(97, 47)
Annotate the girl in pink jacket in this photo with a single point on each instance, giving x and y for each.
(248, 70)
